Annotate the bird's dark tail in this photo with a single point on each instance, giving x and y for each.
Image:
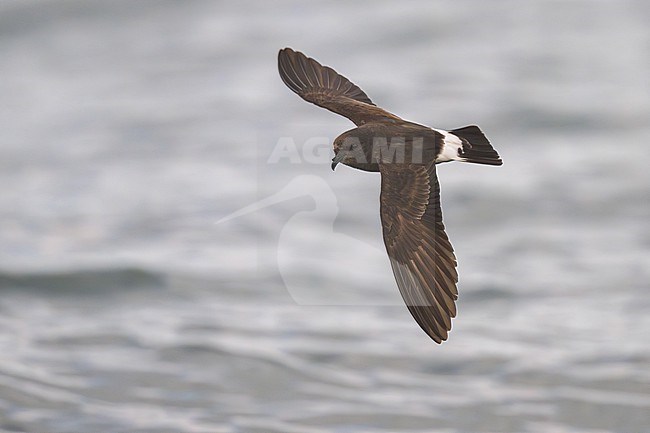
(476, 147)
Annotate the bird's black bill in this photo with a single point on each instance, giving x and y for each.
(338, 158)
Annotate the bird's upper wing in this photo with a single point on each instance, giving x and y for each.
(323, 86)
(422, 258)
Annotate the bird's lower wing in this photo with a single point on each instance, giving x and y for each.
(422, 258)
(323, 86)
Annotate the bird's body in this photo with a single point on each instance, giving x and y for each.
(405, 154)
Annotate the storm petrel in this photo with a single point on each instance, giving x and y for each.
(406, 155)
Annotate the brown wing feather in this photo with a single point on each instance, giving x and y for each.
(323, 86)
(421, 256)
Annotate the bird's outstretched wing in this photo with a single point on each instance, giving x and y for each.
(323, 86)
(422, 258)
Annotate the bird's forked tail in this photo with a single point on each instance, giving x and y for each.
(475, 146)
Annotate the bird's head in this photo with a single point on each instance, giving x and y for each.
(354, 149)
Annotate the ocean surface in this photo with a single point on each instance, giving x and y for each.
(176, 254)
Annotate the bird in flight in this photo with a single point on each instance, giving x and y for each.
(406, 155)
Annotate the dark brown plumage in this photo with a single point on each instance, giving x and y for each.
(406, 155)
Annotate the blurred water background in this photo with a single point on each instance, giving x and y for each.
(127, 129)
